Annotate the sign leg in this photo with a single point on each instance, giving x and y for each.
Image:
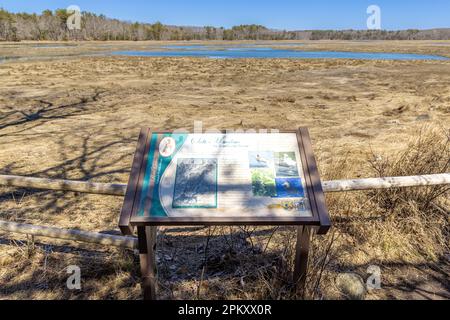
(301, 256)
(147, 258)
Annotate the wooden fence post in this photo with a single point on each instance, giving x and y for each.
(147, 258)
(301, 257)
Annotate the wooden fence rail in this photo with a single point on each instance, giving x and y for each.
(113, 189)
(119, 190)
(69, 234)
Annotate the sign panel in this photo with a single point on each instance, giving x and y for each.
(223, 178)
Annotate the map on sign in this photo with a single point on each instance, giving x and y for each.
(223, 175)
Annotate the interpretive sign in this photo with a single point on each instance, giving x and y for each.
(224, 178)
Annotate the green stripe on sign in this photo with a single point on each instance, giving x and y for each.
(148, 170)
(156, 209)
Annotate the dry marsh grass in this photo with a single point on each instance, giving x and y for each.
(393, 229)
(420, 213)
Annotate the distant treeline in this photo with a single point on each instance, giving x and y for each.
(51, 25)
(411, 34)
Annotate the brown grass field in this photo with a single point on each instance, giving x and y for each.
(78, 117)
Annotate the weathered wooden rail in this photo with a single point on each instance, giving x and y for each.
(69, 234)
(115, 189)
(118, 189)
(112, 189)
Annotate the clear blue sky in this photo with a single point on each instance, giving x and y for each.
(280, 14)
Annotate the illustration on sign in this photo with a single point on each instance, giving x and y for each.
(195, 184)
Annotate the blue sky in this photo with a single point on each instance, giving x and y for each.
(280, 14)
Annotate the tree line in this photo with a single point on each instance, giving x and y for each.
(410, 34)
(52, 25)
